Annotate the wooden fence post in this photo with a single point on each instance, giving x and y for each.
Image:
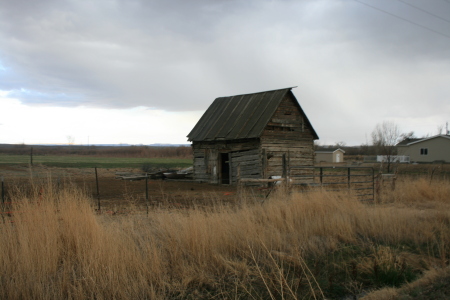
(321, 176)
(238, 179)
(348, 177)
(285, 184)
(378, 186)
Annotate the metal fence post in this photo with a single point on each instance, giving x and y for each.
(146, 191)
(98, 190)
(373, 184)
(3, 191)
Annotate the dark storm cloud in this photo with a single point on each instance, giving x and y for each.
(179, 55)
(114, 53)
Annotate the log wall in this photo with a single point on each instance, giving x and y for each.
(246, 163)
(286, 134)
(287, 140)
(207, 159)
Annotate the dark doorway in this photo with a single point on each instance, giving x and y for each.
(225, 168)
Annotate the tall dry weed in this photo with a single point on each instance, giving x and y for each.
(290, 246)
(419, 191)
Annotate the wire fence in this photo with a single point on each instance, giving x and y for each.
(111, 193)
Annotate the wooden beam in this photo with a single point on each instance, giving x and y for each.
(260, 180)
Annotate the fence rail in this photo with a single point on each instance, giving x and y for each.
(393, 158)
(361, 180)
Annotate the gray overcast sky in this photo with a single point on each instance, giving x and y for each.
(79, 68)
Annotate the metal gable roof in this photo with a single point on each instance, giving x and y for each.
(408, 142)
(238, 117)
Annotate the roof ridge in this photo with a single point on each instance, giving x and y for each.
(429, 138)
(242, 116)
(410, 141)
(287, 88)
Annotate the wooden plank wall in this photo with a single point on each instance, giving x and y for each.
(207, 166)
(202, 168)
(286, 134)
(288, 123)
(248, 162)
(297, 154)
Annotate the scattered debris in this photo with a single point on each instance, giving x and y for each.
(131, 176)
(183, 174)
(161, 174)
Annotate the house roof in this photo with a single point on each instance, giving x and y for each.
(240, 116)
(408, 142)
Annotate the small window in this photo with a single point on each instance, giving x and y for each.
(423, 151)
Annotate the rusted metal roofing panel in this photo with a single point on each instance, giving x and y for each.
(231, 119)
(210, 130)
(223, 121)
(238, 117)
(246, 117)
(268, 105)
(206, 122)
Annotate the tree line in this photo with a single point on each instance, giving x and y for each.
(103, 151)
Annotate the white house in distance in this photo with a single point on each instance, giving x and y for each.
(329, 156)
(426, 150)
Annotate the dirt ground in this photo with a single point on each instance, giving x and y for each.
(117, 195)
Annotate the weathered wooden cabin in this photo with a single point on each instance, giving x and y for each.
(255, 135)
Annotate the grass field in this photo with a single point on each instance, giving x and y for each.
(68, 161)
(313, 245)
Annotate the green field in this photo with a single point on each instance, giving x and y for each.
(90, 162)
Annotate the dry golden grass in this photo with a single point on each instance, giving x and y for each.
(300, 246)
(432, 285)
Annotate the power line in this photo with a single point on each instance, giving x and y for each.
(423, 10)
(406, 20)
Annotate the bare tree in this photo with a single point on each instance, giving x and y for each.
(408, 136)
(440, 128)
(316, 145)
(384, 138)
(70, 139)
(340, 144)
